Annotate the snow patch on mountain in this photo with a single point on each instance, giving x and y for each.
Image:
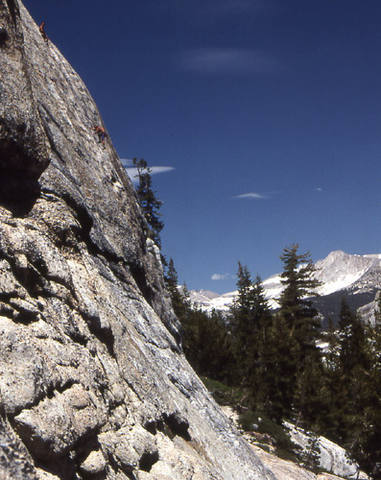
(340, 270)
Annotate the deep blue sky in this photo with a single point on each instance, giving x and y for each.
(278, 99)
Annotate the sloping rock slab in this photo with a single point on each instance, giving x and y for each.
(93, 382)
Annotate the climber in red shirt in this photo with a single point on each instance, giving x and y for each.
(42, 31)
(101, 132)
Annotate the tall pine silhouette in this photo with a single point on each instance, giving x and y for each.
(148, 200)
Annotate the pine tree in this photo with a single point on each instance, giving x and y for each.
(179, 295)
(352, 340)
(213, 349)
(308, 402)
(369, 454)
(171, 278)
(332, 396)
(249, 317)
(240, 321)
(349, 381)
(251, 320)
(148, 201)
(244, 285)
(363, 423)
(301, 325)
(259, 371)
(206, 340)
(295, 302)
(277, 371)
(206, 343)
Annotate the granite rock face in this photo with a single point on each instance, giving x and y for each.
(287, 470)
(93, 382)
(331, 457)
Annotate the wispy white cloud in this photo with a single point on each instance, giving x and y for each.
(228, 60)
(132, 171)
(252, 196)
(220, 276)
(318, 189)
(155, 170)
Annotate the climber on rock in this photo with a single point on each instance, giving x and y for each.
(42, 31)
(101, 132)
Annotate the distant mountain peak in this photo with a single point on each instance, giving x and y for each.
(357, 277)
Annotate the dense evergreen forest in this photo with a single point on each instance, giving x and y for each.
(281, 364)
(285, 366)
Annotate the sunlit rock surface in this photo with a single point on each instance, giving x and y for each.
(332, 457)
(286, 470)
(93, 383)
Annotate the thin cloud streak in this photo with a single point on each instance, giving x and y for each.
(220, 276)
(133, 172)
(252, 196)
(228, 60)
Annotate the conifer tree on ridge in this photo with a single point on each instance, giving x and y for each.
(148, 201)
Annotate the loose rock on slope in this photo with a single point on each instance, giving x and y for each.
(93, 383)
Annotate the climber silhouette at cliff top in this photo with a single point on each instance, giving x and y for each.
(102, 135)
(42, 31)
